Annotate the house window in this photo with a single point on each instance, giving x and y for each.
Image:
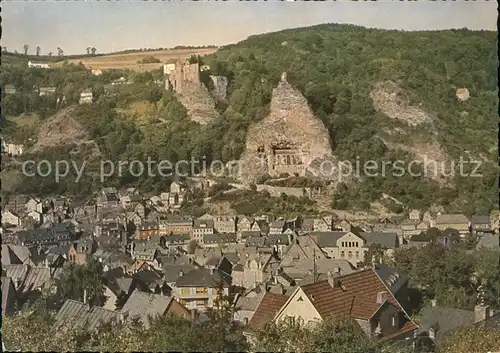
(203, 290)
(342, 254)
(349, 254)
(357, 244)
(185, 291)
(357, 254)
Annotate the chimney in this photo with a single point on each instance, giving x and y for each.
(481, 313)
(337, 271)
(84, 296)
(433, 302)
(331, 279)
(381, 297)
(211, 270)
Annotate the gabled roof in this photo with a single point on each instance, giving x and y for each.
(279, 223)
(75, 314)
(393, 279)
(268, 307)
(142, 305)
(451, 218)
(203, 278)
(203, 223)
(489, 241)
(219, 238)
(443, 320)
(480, 219)
(38, 277)
(327, 239)
(8, 256)
(386, 240)
(355, 296)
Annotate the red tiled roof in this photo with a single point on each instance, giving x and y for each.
(269, 305)
(329, 301)
(356, 296)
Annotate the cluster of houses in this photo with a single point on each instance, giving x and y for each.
(158, 261)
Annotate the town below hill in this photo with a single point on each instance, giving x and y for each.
(416, 283)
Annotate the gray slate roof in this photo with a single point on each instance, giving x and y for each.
(203, 278)
(142, 305)
(203, 223)
(480, 219)
(444, 320)
(392, 278)
(9, 257)
(451, 218)
(489, 241)
(75, 314)
(386, 240)
(327, 239)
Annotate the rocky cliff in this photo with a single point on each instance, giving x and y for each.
(62, 129)
(219, 90)
(199, 103)
(288, 140)
(389, 99)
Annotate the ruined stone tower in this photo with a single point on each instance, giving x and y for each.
(184, 76)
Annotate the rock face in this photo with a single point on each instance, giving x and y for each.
(389, 99)
(199, 104)
(61, 129)
(288, 140)
(220, 87)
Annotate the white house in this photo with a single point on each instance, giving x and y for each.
(12, 148)
(34, 204)
(38, 65)
(86, 97)
(168, 68)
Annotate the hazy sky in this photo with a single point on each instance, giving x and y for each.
(112, 26)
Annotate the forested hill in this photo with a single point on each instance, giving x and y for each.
(336, 67)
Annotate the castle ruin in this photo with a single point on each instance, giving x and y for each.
(183, 77)
(184, 80)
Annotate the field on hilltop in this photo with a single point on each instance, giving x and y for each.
(131, 60)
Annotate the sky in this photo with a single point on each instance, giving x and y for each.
(118, 25)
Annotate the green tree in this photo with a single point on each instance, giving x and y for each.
(474, 339)
(77, 279)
